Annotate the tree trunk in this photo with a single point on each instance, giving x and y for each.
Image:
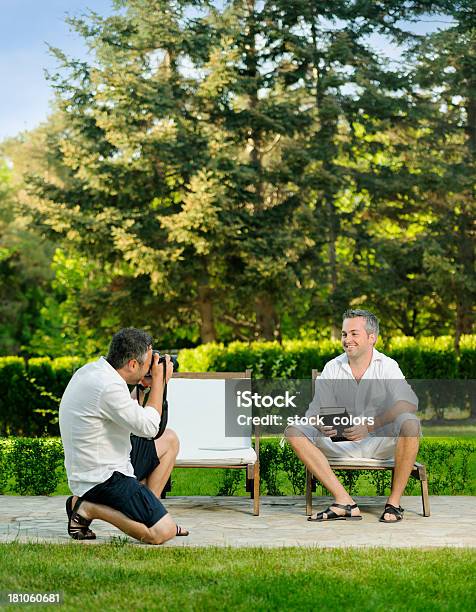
(205, 307)
(464, 296)
(267, 318)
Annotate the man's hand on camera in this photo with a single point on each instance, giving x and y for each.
(356, 433)
(169, 368)
(157, 369)
(328, 431)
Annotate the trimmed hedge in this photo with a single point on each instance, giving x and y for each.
(447, 463)
(427, 358)
(32, 466)
(31, 392)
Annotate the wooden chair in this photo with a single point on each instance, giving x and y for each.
(197, 415)
(418, 472)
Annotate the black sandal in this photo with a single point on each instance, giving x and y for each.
(390, 509)
(181, 531)
(332, 516)
(81, 530)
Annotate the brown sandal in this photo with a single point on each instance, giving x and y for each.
(81, 530)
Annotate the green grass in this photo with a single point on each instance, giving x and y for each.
(449, 431)
(122, 576)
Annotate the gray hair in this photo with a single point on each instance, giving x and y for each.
(371, 321)
(128, 343)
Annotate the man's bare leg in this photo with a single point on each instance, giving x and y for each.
(163, 530)
(315, 461)
(167, 447)
(406, 451)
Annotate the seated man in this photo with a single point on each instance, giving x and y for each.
(113, 475)
(370, 384)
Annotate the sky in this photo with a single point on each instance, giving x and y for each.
(27, 27)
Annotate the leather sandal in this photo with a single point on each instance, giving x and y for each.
(81, 530)
(333, 516)
(181, 531)
(391, 509)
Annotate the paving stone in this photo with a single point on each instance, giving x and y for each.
(229, 522)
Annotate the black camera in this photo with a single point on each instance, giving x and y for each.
(173, 359)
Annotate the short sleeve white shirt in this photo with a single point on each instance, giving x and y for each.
(381, 386)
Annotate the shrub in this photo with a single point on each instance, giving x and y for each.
(231, 480)
(5, 470)
(427, 358)
(447, 463)
(31, 394)
(270, 464)
(33, 463)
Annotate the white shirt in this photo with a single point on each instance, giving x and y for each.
(96, 417)
(381, 386)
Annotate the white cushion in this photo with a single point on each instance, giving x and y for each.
(197, 415)
(243, 456)
(363, 462)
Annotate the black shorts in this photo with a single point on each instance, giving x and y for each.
(129, 496)
(143, 456)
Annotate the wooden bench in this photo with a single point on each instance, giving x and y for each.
(197, 415)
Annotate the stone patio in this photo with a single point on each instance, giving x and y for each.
(227, 521)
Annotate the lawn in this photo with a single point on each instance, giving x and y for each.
(124, 576)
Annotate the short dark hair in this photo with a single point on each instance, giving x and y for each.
(128, 343)
(371, 321)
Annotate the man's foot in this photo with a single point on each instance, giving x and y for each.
(78, 525)
(391, 514)
(181, 531)
(338, 512)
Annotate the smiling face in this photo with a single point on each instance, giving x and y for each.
(356, 342)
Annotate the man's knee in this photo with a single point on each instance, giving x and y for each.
(170, 438)
(409, 426)
(293, 435)
(164, 530)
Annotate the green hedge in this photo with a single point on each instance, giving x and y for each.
(428, 358)
(30, 466)
(447, 462)
(33, 466)
(31, 394)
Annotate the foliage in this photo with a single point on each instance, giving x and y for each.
(231, 480)
(31, 394)
(244, 170)
(29, 466)
(269, 458)
(32, 463)
(426, 358)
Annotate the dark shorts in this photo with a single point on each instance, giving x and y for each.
(129, 496)
(143, 456)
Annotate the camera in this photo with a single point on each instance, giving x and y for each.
(173, 359)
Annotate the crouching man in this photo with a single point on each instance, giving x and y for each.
(370, 384)
(116, 470)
